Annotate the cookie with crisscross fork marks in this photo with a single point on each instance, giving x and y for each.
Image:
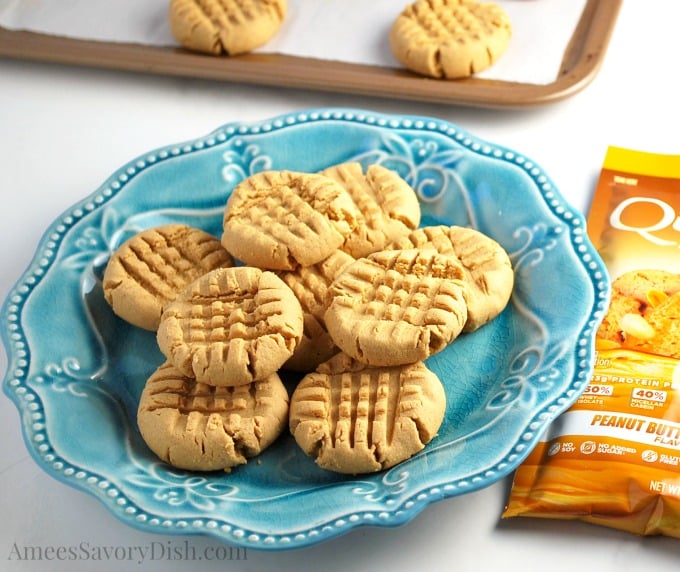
(450, 38)
(389, 207)
(225, 26)
(231, 326)
(148, 271)
(488, 269)
(310, 285)
(354, 418)
(195, 426)
(397, 307)
(279, 220)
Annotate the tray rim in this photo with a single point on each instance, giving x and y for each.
(581, 62)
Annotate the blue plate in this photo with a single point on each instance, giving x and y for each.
(76, 371)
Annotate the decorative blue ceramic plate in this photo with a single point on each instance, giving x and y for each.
(76, 371)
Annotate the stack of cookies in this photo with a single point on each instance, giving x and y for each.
(325, 274)
(225, 330)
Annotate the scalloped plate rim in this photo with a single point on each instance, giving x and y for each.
(239, 535)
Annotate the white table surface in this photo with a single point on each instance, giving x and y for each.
(64, 130)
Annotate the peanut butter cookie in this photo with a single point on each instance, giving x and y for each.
(232, 326)
(279, 220)
(388, 206)
(225, 26)
(200, 427)
(148, 271)
(450, 38)
(488, 269)
(353, 418)
(397, 307)
(310, 285)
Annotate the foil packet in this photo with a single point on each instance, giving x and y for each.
(613, 458)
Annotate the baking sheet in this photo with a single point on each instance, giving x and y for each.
(314, 48)
(352, 31)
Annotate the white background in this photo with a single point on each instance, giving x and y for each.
(64, 130)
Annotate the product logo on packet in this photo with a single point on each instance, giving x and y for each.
(666, 220)
(588, 447)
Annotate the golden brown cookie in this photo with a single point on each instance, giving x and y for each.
(148, 271)
(488, 269)
(664, 318)
(225, 26)
(353, 418)
(200, 427)
(279, 220)
(310, 286)
(450, 38)
(315, 347)
(388, 205)
(397, 307)
(232, 326)
(644, 312)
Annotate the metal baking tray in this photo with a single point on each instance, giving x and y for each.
(580, 63)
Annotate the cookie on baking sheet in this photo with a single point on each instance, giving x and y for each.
(397, 306)
(279, 220)
(450, 38)
(227, 27)
(354, 418)
(388, 205)
(310, 285)
(232, 326)
(200, 427)
(148, 270)
(488, 269)
(644, 313)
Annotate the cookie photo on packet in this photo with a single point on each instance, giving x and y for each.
(644, 313)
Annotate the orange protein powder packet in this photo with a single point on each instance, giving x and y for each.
(613, 458)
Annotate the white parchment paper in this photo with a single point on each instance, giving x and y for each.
(354, 31)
